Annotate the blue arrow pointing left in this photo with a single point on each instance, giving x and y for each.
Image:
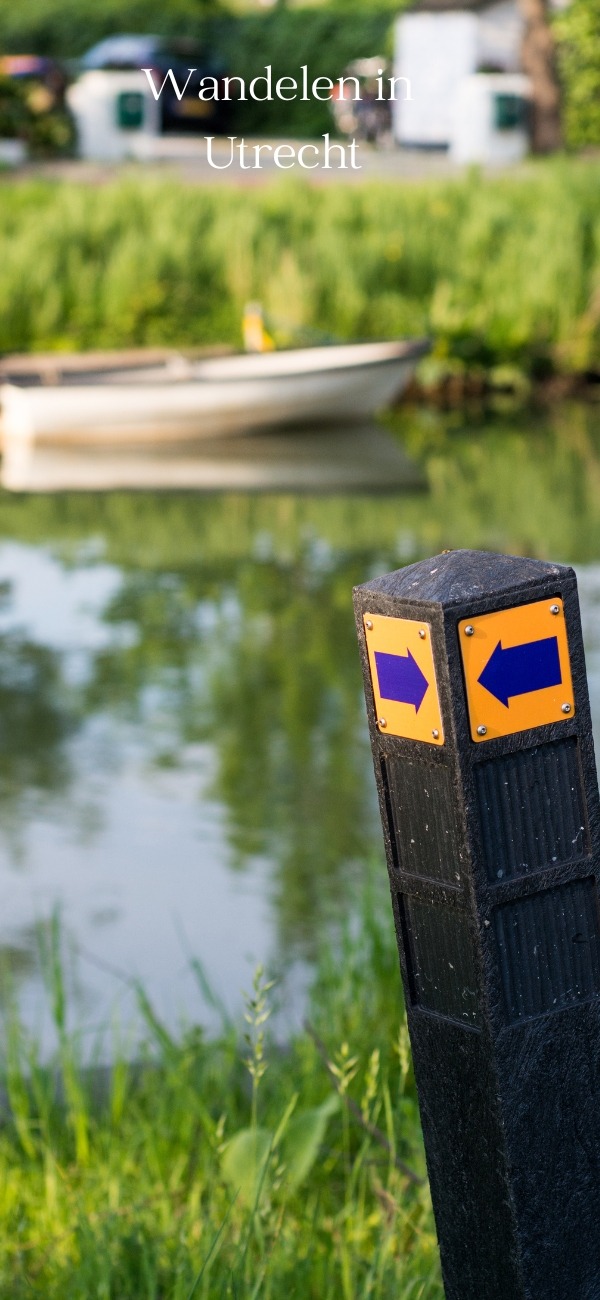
(522, 669)
(401, 679)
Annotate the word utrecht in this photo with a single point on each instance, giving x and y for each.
(283, 156)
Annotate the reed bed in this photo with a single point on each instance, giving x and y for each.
(501, 271)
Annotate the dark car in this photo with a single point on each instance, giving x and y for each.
(120, 53)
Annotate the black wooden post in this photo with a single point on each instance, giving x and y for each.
(480, 727)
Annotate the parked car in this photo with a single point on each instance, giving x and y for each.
(132, 52)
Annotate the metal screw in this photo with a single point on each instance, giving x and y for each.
(555, 609)
(422, 633)
(382, 722)
(368, 625)
(470, 630)
(566, 708)
(435, 733)
(482, 731)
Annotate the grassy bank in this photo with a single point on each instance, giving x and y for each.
(503, 272)
(229, 1168)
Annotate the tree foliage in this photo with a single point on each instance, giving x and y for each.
(578, 32)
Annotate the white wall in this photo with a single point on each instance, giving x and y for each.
(93, 103)
(477, 138)
(435, 51)
(500, 36)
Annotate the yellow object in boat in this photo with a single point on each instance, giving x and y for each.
(256, 337)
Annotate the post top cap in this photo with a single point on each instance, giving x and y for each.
(458, 576)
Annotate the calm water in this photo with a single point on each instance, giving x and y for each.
(184, 766)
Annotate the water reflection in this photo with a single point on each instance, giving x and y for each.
(37, 720)
(313, 460)
(183, 753)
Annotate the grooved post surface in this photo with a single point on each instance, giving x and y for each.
(549, 949)
(440, 961)
(427, 836)
(531, 810)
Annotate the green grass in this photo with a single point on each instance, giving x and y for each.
(232, 1167)
(501, 271)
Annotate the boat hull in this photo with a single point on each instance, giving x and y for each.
(217, 398)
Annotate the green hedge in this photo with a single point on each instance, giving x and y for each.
(66, 28)
(326, 39)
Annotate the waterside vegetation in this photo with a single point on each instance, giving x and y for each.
(502, 272)
(227, 1168)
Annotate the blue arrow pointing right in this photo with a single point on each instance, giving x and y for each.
(522, 669)
(401, 679)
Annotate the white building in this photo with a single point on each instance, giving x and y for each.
(437, 45)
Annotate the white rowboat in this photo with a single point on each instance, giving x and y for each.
(211, 398)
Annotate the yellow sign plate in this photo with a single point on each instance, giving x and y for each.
(403, 678)
(517, 669)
